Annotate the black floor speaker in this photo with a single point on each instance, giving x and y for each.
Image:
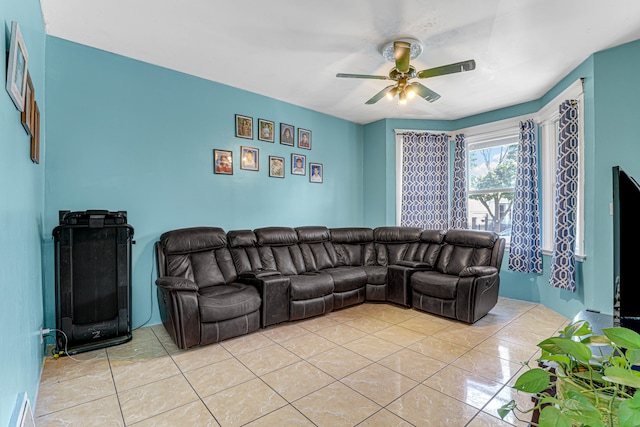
(93, 280)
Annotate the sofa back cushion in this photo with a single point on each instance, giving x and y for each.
(279, 250)
(199, 254)
(353, 246)
(428, 249)
(243, 245)
(317, 250)
(393, 243)
(465, 248)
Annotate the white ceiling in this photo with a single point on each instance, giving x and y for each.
(291, 50)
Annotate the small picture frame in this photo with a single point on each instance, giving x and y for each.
(244, 127)
(27, 112)
(249, 158)
(298, 164)
(223, 162)
(276, 167)
(315, 172)
(287, 134)
(17, 67)
(266, 130)
(35, 135)
(304, 139)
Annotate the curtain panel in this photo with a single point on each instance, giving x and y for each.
(525, 253)
(459, 215)
(563, 268)
(425, 180)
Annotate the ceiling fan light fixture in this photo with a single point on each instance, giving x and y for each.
(402, 97)
(411, 93)
(392, 93)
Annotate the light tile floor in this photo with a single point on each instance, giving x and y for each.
(368, 365)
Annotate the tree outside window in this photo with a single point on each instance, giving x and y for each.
(492, 179)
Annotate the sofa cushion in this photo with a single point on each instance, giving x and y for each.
(310, 285)
(347, 278)
(353, 246)
(242, 238)
(224, 302)
(276, 236)
(312, 234)
(434, 284)
(187, 240)
(396, 234)
(376, 274)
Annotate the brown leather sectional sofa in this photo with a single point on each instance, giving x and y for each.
(214, 285)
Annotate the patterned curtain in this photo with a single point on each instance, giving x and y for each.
(525, 253)
(459, 217)
(425, 171)
(563, 269)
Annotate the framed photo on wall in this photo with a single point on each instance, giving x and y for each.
(249, 158)
(276, 167)
(298, 164)
(244, 127)
(223, 162)
(304, 139)
(27, 112)
(266, 130)
(286, 134)
(315, 172)
(35, 135)
(17, 67)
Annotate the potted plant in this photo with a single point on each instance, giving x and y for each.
(584, 379)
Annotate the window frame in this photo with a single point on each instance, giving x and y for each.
(505, 134)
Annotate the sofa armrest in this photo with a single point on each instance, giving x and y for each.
(274, 292)
(258, 274)
(415, 264)
(178, 305)
(478, 270)
(176, 284)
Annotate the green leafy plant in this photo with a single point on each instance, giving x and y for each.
(584, 379)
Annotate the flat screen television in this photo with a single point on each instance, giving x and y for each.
(626, 248)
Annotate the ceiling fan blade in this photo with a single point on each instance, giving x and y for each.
(424, 92)
(362, 76)
(448, 69)
(402, 54)
(378, 96)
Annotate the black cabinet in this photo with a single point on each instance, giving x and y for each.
(93, 280)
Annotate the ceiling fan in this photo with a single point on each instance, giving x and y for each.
(402, 51)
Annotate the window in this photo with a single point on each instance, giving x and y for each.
(549, 121)
(492, 164)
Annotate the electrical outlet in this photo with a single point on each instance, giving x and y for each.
(43, 332)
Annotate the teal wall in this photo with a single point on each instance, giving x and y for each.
(126, 135)
(21, 206)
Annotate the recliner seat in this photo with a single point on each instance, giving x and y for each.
(464, 282)
(200, 299)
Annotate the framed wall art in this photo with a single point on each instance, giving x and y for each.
(249, 158)
(276, 167)
(27, 112)
(266, 130)
(286, 134)
(35, 135)
(304, 139)
(17, 67)
(315, 172)
(244, 127)
(298, 164)
(223, 162)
